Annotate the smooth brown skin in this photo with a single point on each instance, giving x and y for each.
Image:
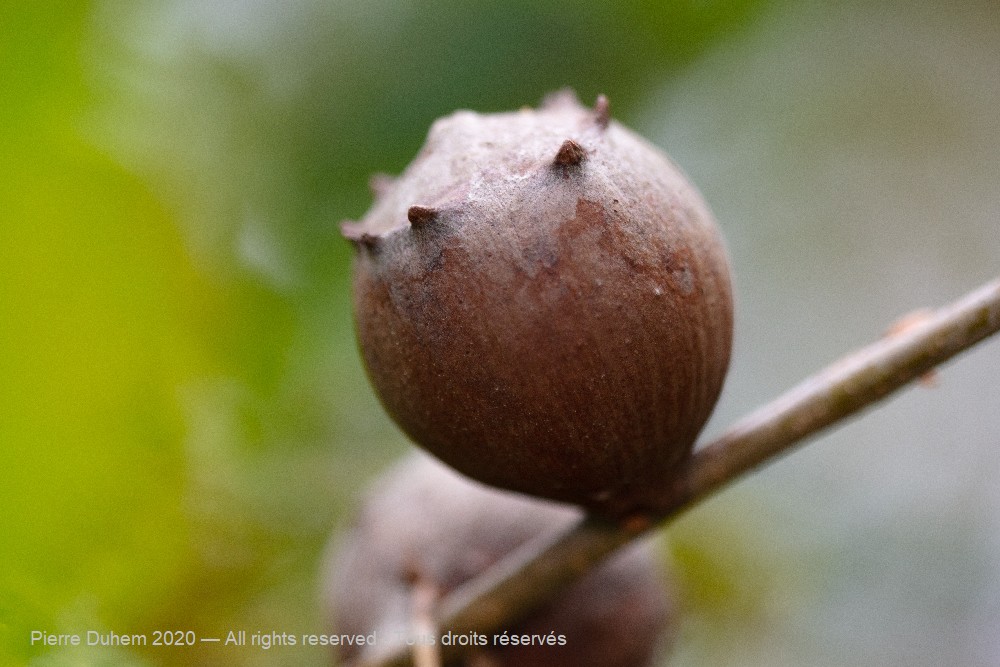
(425, 524)
(547, 316)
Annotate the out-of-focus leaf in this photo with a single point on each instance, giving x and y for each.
(94, 283)
(183, 415)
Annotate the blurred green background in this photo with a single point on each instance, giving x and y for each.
(183, 417)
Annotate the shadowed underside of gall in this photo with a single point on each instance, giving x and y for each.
(543, 302)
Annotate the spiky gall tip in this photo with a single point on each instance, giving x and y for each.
(570, 154)
(421, 215)
(356, 233)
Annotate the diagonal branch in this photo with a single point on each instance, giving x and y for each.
(531, 575)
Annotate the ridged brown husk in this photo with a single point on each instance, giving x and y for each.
(543, 301)
(424, 525)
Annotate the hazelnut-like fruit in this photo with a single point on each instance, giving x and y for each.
(543, 301)
(425, 527)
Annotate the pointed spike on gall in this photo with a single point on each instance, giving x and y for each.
(356, 234)
(421, 215)
(368, 241)
(602, 111)
(570, 154)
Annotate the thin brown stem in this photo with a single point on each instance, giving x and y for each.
(530, 576)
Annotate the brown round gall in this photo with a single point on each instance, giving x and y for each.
(425, 527)
(543, 301)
